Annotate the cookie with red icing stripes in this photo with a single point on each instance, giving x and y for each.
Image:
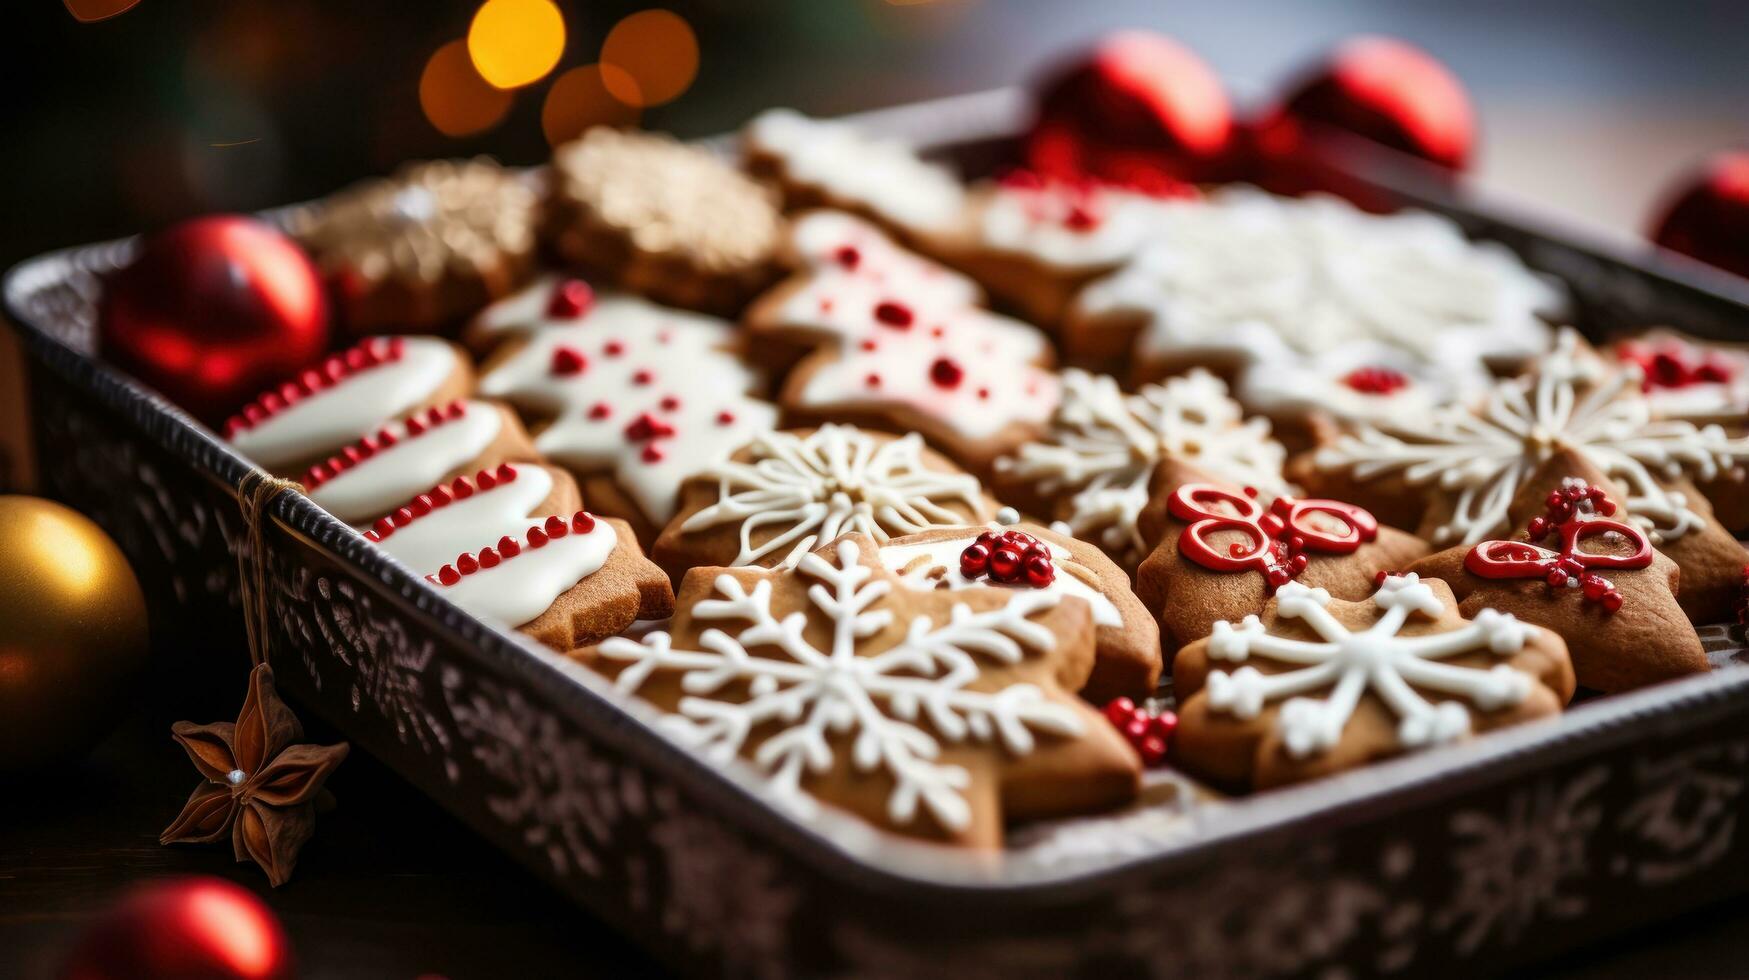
(437, 524)
(567, 581)
(346, 396)
(897, 344)
(1224, 549)
(374, 475)
(1577, 564)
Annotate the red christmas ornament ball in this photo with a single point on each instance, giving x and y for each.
(1137, 106)
(212, 311)
(198, 927)
(1708, 218)
(1386, 90)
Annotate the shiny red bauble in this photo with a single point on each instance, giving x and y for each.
(1708, 217)
(200, 927)
(1137, 106)
(1386, 90)
(212, 311)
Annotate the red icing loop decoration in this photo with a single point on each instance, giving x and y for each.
(1276, 538)
(1571, 564)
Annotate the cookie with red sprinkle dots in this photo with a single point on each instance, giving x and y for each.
(1225, 549)
(567, 581)
(1578, 565)
(1030, 557)
(435, 525)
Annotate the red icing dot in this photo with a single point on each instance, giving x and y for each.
(873, 380)
(868, 345)
(613, 348)
(568, 361)
(984, 393)
(600, 410)
(946, 373)
(725, 417)
(448, 575)
(670, 403)
(894, 315)
(582, 522)
(1081, 217)
(847, 256)
(642, 376)
(652, 453)
(556, 527)
(646, 427)
(571, 299)
(1375, 380)
(508, 547)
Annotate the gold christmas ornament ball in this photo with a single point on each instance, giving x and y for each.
(72, 632)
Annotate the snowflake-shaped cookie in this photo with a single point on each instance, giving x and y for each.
(1317, 273)
(1571, 400)
(1323, 659)
(788, 492)
(1103, 445)
(914, 708)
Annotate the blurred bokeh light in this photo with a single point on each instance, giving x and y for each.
(455, 98)
(655, 49)
(91, 11)
(585, 97)
(516, 42)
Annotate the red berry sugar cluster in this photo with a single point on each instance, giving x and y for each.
(1149, 734)
(333, 370)
(508, 547)
(1675, 366)
(363, 449)
(1376, 380)
(439, 497)
(1009, 557)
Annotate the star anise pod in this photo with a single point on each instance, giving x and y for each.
(259, 785)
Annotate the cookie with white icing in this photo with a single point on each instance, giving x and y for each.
(1704, 383)
(898, 344)
(663, 219)
(1578, 565)
(1092, 467)
(1316, 274)
(1451, 473)
(1034, 241)
(434, 526)
(818, 163)
(939, 714)
(373, 476)
(1127, 641)
(1315, 685)
(426, 247)
(786, 493)
(346, 396)
(566, 581)
(633, 400)
(1224, 549)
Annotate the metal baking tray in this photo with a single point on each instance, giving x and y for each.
(1499, 851)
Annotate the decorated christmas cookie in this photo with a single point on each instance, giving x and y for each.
(832, 164)
(897, 345)
(940, 714)
(423, 248)
(436, 525)
(1223, 549)
(663, 219)
(1034, 241)
(1703, 383)
(1453, 472)
(1316, 274)
(1579, 566)
(1363, 381)
(376, 474)
(1026, 556)
(786, 493)
(1092, 467)
(1317, 684)
(566, 581)
(634, 400)
(347, 396)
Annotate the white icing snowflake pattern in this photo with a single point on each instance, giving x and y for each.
(1378, 659)
(1104, 445)
(816, 693)
(1317, 273)
(1570, 401)
(836, 480)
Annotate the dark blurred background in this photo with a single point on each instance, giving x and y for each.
(181, 106)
